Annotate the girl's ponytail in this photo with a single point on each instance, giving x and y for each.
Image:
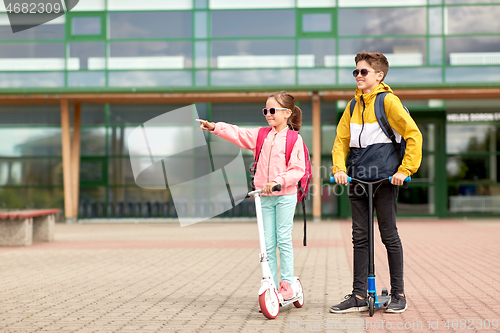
(295, 120)
(287, 101)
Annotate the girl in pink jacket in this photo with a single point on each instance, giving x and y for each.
(278, 208)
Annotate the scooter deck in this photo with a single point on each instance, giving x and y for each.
(382, 300)
(291, 300)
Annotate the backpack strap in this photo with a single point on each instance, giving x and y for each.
(304, 241)
(353, 105)
(384, 123)
(291, 139)
(263, 132)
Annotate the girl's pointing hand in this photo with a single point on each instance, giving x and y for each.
(206, 125)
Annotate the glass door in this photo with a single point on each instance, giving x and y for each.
(426, 193)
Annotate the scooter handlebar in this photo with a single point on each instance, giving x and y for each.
(276, 188)
(407, 179)
(349, 179)
(332, 179)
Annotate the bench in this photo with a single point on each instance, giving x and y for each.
(23, 227)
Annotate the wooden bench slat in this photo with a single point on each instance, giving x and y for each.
(23, 214)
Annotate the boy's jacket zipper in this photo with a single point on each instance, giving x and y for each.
(362, 119)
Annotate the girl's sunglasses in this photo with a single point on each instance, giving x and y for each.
(364, 72)
(271, 110)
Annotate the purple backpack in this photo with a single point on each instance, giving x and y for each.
(303, 184)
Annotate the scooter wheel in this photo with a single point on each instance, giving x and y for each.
(371, 305)
(269, 304)
(299, 303)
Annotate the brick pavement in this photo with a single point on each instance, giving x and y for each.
(205, 277)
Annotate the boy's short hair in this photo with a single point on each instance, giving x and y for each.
(377, 60)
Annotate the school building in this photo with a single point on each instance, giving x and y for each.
(71, 90)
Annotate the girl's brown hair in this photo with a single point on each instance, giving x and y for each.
(287, 101)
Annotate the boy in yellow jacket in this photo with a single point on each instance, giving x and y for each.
(372, 156)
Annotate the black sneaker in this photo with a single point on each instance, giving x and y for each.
(397, 304)
(351, 304)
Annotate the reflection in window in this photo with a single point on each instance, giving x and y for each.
(86, 79)
(201, 54)
(473, 50)
(435, 20)
(30, 171)
(32, 80)
(93, 141)
(30, 141)
(474, 198)
(200, 24)
(399, 51)
(400, 75)
(150, 25)
(30, 115)
(380, 3)
(32, 57)
(86, 26)
(261, 77)
(473, 74)
(79, 53)
(414, 75)
(149, 5)
(51, 30)
(316, 22)
(473, 19)
(254, 23)
(200, 3)
(470, 138)
(253, 53)
(316, 3)
(470, 1)
(231, 4)
(317, 76)
(435, 51)
(416, 200)
(89, 5)
(121, 115)
(19, 198)
(145, 55)
(316, 53)
(91, 171)
(201, 78)
(120, 171)
(467, 168)
(238, 113)
(150, 79)
(380, 21)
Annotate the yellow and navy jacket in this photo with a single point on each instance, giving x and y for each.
(371, 152)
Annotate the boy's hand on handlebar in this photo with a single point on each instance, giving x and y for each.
(341, 177)
(398, 178)
(206, 125)
(268, 188)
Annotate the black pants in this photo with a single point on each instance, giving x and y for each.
(385, 204)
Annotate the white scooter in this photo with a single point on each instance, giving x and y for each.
(269, 298)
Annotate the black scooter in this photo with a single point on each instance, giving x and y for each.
(374, 300)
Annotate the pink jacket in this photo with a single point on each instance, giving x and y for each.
(272, 165)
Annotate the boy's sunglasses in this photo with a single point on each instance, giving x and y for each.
(271, 110)
(364, 72)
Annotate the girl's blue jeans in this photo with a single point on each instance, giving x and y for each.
(277, 215)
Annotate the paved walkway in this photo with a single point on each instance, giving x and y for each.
(205, 277)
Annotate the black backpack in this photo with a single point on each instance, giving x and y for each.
(384, 123)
